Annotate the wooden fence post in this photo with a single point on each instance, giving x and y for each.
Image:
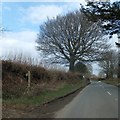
(29, 79)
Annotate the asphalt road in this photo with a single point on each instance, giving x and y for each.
(97, 100)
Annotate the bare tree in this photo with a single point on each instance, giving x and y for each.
(71, 38)
(109, 65)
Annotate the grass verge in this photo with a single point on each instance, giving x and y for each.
(45, 96)
(112, 81)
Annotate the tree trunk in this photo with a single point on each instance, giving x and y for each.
(107, 75)
(71, 66)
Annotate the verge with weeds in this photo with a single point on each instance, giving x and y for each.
(46, 95)
(46, 85)
(115, 82)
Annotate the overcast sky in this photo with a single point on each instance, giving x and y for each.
(23, 19)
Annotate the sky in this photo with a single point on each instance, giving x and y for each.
(22, 20)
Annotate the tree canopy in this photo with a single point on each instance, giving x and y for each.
(71, 38)
(107, 12)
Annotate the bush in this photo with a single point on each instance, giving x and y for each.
(13, 87)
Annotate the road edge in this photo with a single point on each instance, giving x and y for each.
(57, 98)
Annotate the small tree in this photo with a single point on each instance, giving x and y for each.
(81, 68)
(71, 38)
(109, 64)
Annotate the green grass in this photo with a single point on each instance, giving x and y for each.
(47, 95)
(112, 81)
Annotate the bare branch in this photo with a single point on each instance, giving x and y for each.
(71, 38)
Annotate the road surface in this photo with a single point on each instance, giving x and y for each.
(0, 108)
(97, 100)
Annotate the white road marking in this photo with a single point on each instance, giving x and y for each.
(109, 93)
